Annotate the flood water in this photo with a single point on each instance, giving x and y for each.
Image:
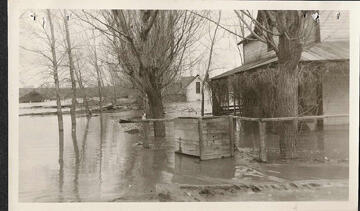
(113, 166)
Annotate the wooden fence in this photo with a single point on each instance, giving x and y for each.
(232, 129)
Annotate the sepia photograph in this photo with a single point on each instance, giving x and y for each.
(183, 105)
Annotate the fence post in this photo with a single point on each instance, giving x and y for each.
(200, 128)
(232, 130)
(262, 134)
(146, 134)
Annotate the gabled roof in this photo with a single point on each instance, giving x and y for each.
(186, 81)
(325, 51)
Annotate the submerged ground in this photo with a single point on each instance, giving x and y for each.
(115, 167)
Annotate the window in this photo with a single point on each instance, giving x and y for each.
(197, 87)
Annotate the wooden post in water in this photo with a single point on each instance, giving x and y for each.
(262, 135)
(146, 134)
(200, 128)
(232, 129)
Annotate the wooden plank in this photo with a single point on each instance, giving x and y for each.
(303, 117)
(216, 147)
(225, 152)
(216, 143)
(186, 120)
(216, 127)
(214, 156)
(189, 149)
(187, 141)
(216, 120)
(186, 134)
(186, 126)
(216, 151)
(215, 136)
(245, 118)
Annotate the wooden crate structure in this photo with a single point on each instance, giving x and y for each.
(206, 138)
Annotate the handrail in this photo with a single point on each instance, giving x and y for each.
(270, 119)
(244, 118)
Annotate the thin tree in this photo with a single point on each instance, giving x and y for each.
(57, 87)
(79, 78)
(48, 40)
(66, 19)
(95, 62)
(206, 77)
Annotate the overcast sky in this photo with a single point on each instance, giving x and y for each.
(226, 55)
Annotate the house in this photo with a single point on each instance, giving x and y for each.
(186, 89)
(32, 97)
(323, 86)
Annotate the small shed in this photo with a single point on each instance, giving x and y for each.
(206, 137)
(32, 97)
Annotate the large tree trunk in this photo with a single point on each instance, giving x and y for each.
(287, 93)
(57, 88)
(156, 111)
(73, 88)
(287, 106)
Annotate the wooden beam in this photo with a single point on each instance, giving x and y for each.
(302, 118)
(232, 130)
(262, 132)
(242, 118)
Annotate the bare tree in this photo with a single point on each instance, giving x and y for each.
(57, 87)
(66, 18)
(286, 32)
(98, 72)
(48, 49)
(150, 47)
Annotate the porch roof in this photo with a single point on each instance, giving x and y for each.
(324, 51)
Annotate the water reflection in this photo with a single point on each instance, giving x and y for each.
(76, 181)
(113, 167)
(61, 177)
(84, 139)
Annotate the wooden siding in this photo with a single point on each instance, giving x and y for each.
(187, 136)
(254, 50)
(206, 138)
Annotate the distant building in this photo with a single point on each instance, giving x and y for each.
(186, 89)
(32, 97)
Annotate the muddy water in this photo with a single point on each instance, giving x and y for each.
(114, 167)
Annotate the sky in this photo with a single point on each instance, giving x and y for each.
(33, 72)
